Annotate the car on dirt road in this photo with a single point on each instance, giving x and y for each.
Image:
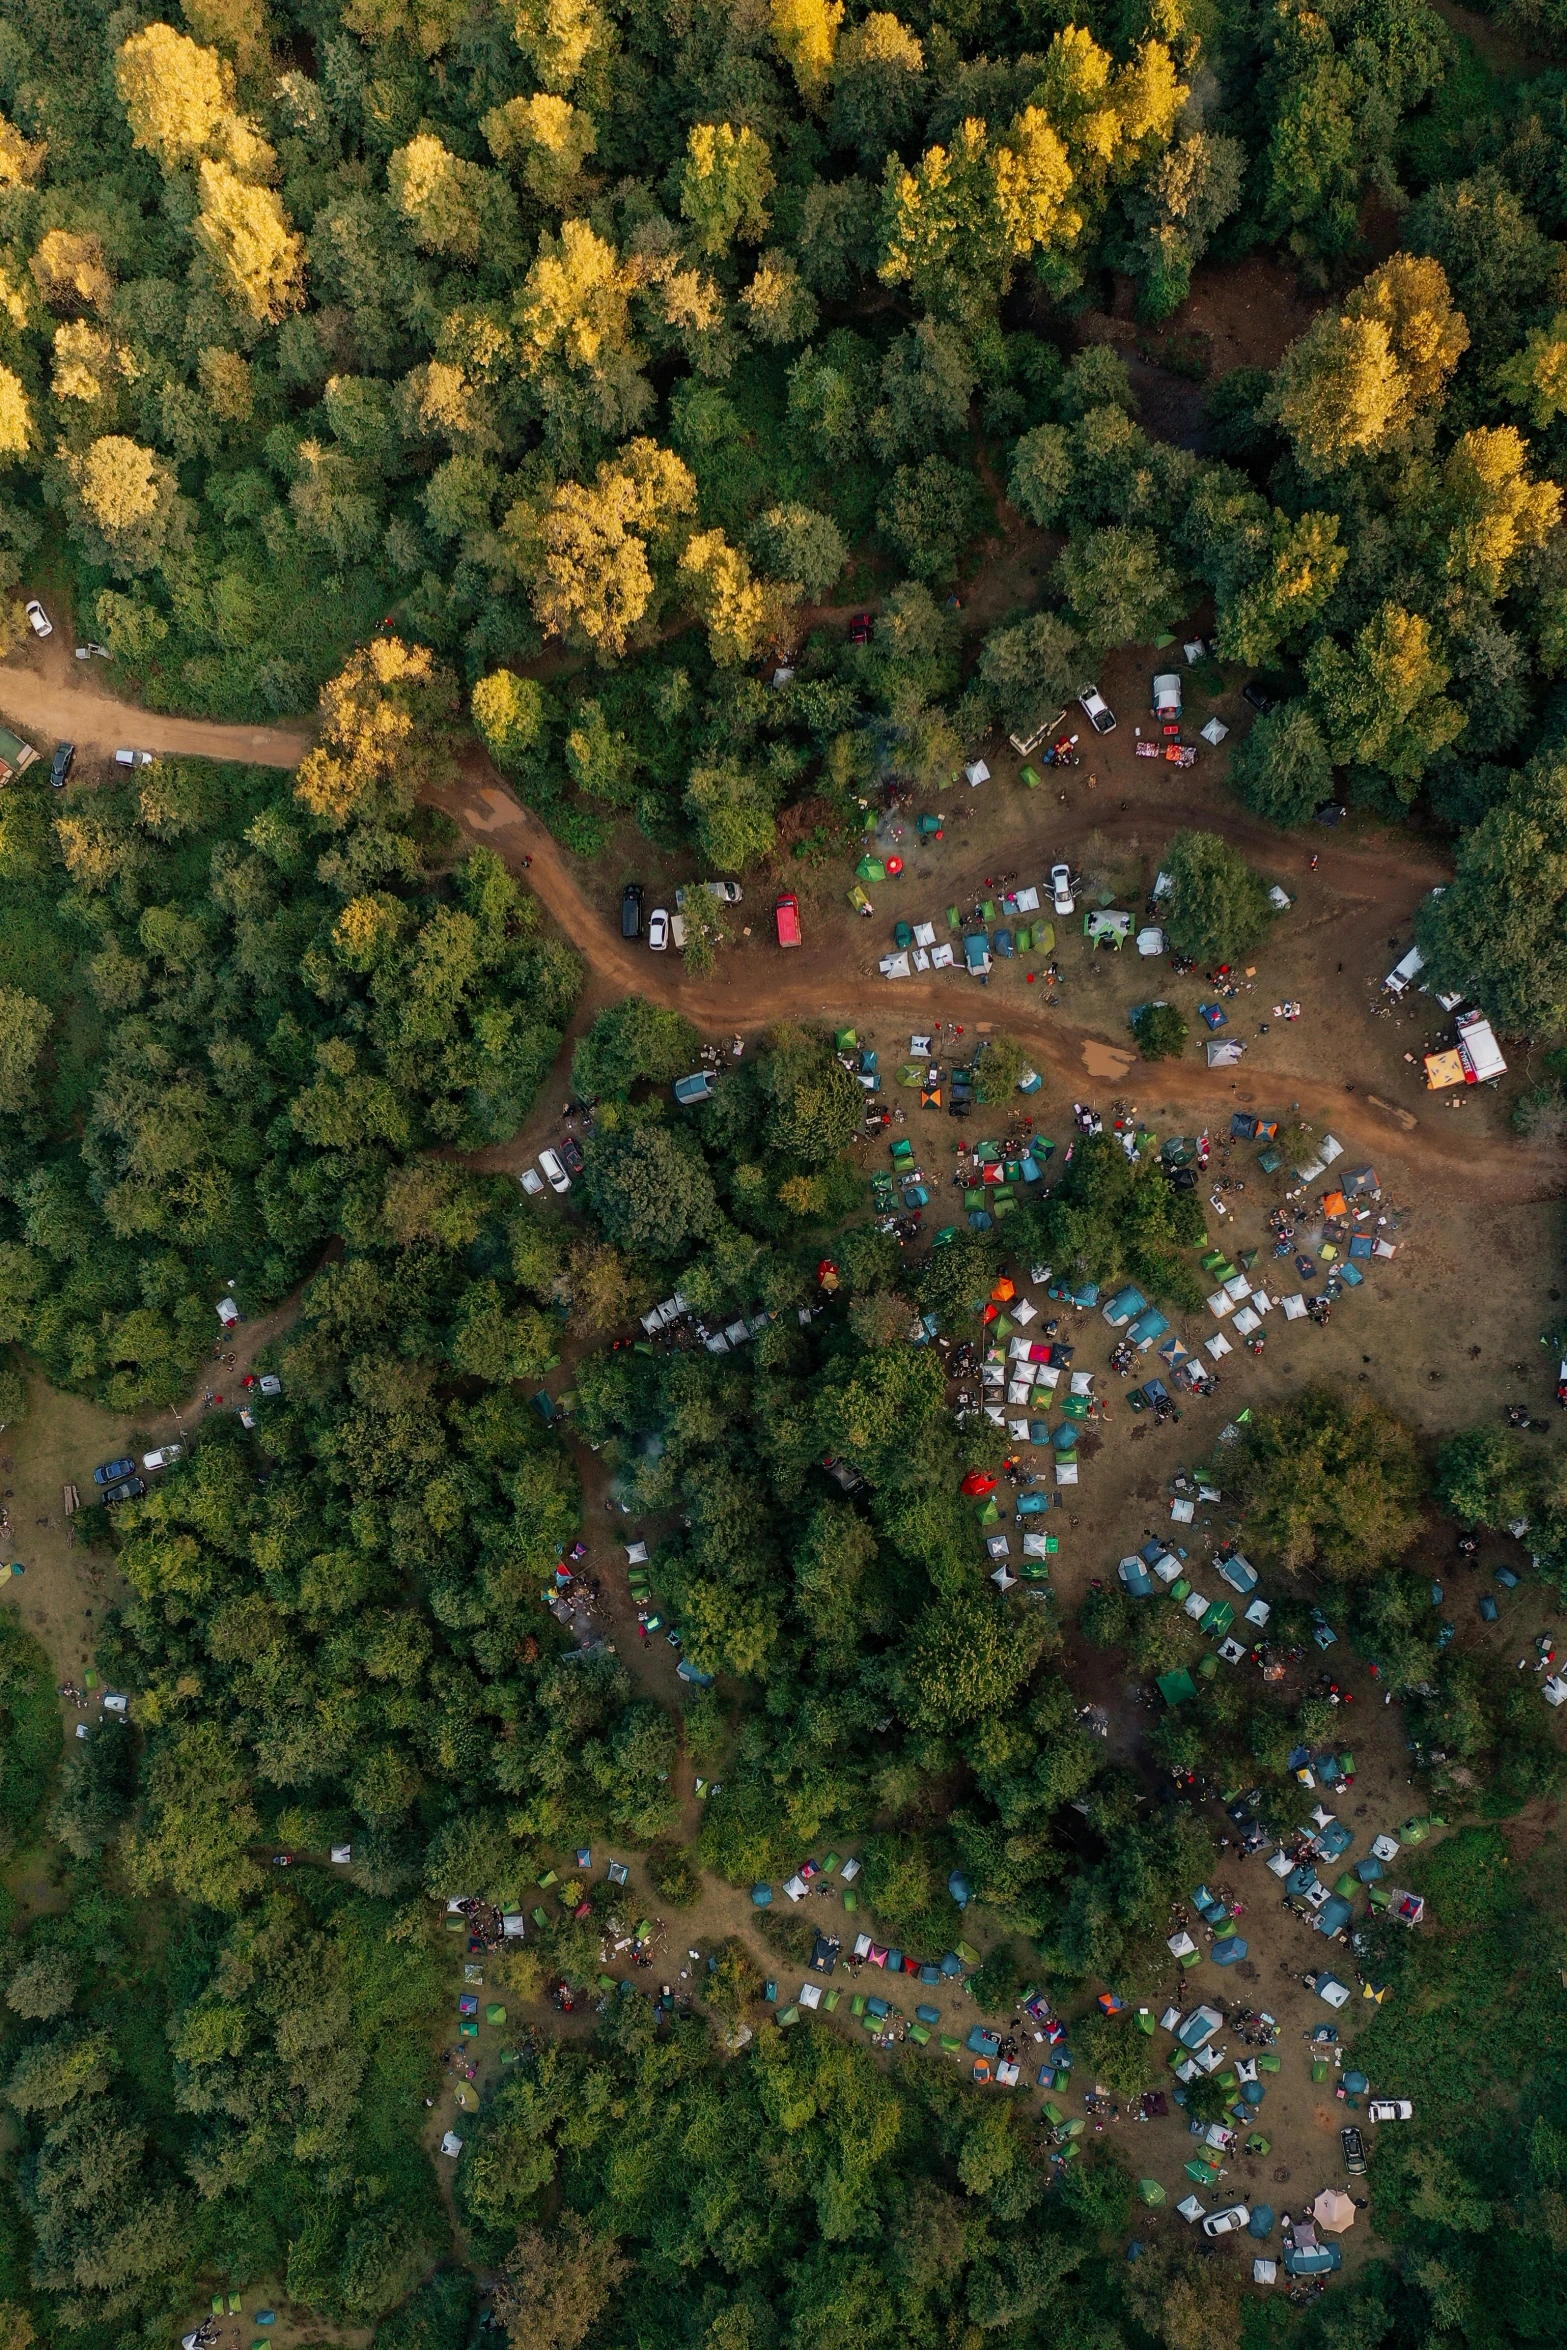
(1390, 2109)
(1255, 692)
(658, 930)
(786, 914)
(61, 764)
(1229, 2221)
(1061, 898)
(1096, 710)
(571, 1152)
(555, 1173)
(128, 1489)
(1354, 2146)
(112, 1471)
(631, 910)
(134, 758)
(722, 893)
(38, 619)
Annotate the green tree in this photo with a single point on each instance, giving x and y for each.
(1482, 1477)
(799, 544)
(928, 513)
(630, 1043)
(1218, 905)
(1499, 932)
(1120, 587)
(1381, 701)
(24, 1029)
(1283, 769)
(724, 186)
(1029, 668)
(963, 1660)
(878, 87)
(1306, 561)
(732, 807)
(650, 1189)
(1331, 1483)
(1160, 1031)
(554, 2286)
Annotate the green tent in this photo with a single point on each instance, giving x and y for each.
(870, 869)
(1150, 2192)
(1175, 1688)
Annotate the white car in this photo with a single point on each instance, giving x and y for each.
(1391, 2109)
(1229, 2221)
(1061, 889)
(1096, 710)
(38, 619)
(557, 1176)
(133, 758)
(164, 1457)
(532, 1181)
(658, 930)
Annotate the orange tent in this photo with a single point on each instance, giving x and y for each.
(1005, 1290)
(1335, 1204)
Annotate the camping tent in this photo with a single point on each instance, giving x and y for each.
(1229, 1950)
(1175, 1688)
(1333, 2211)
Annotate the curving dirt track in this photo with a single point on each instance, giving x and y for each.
(70, 708)
(1499, 1169)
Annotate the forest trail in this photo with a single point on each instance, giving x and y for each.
(69, 708)
(1500, 1171)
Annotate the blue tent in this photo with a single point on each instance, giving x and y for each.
(761, 1895)
(1229, 1950)
(1261, 2222)
(1334, 1915)
(951, 1965)
(960, 1889)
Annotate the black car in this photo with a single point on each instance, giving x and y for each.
(571, 1152)
(1331, 812)
(1255, 692)
(1354, 2152)
(111, 1472)
(631, 910)
(60, 765)
(128, 1489)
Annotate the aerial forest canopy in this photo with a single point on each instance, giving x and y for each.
(526, 370)
(637, 332)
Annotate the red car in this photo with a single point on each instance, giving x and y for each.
(787, 916)
(860, 629)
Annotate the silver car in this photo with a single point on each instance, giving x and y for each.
(558, 1178)
(1096, 710)
(1061, 897)
(38, 619)
(1227, 2222)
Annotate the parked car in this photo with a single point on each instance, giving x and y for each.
(571, 1152)
(658, 930)
(128, 1489)
(38, 619)
(1167, 694)
(860, 629)
(723, 893)
(1228, 2222)
(1330, 812)
(164, 1458)
(112, 1471)
(134, 758)
(631, 910)
(92, 652)
(1061, 889)
(1391, 2109)
(532, 1181)
(61, 764)
(1354, 2146)
(1096, 710)
(556, 1174)
(786, 914)
(698, 1087)
(1255, 692)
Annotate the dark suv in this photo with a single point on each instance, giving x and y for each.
(60, 765)
(631, 910)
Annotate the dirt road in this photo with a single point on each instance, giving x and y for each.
(46, 700)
